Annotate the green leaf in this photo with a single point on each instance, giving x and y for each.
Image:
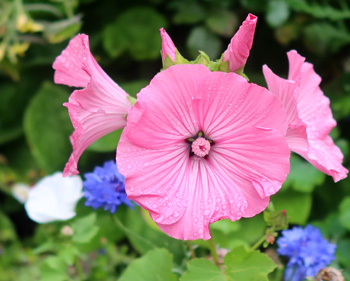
(7, 232)
(223, 23)
(108, 143)
(254, 5)
(344, 210)
(53, 269)
(47, 128)
(188, 12)
(156, 265)
(144, 237)
(303, 176)
(323, 11)
(201, 39)
(68, 254)
(343, 252)
(136, 31)
(296, 204)
(84, 229)
(323, 38)
(240, 264)
(277, 13)
(61, 30)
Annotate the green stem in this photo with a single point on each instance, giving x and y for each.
(190, 246)
(257, 244)
(213, 251)
(128, 231)
(79, 269)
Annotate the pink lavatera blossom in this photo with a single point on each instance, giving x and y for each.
(168, 47)
(97, 109)
(238, 50)
(200, 146)
(309, 116)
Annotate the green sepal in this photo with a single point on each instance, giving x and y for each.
(203, 59)
(224, 66)
(179, 59)
(131, 99)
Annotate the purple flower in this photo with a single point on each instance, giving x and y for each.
(307, 250)
(105, 188)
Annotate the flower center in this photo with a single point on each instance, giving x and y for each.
(201, 147)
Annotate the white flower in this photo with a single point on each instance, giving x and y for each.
(54, 198)
(20, 192)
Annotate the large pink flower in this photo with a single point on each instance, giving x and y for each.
(200, 146)
(96, 110)
(238, 50)
(309, 116)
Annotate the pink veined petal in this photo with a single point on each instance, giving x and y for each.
(313, 111)
(286, 92)
(238, 50)
(94, 111)
(182, 196)
(163, 113)
(69, 64)
(226, 102)
(168, 47)
(185, 193)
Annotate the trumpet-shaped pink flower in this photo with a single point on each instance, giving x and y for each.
(168, 47)
(238, 50)
(96, 110)
(200, 146)
(309, 116)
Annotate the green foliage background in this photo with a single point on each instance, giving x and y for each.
(124, 38)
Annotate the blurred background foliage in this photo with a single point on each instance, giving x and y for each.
(124, 38)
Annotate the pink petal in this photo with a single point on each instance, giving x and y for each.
(168, 47)
(238, 50)
(185, 193)
(163, 113)
(309, 116)
(286, 92)
(94, 111)
(69, 64)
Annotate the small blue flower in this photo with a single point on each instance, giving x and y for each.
(105, 188)
(308, 252)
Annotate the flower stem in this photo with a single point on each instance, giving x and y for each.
(257, 244)
(190, 246)
(79, 269)
(213, 251)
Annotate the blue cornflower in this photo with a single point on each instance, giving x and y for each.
(105, 188)
(308, 252)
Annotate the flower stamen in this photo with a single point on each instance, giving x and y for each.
(201, 147)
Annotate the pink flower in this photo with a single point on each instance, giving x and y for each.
(309, 116)
(238, 50)
(200, 146)
(96, 110)
(168, 47)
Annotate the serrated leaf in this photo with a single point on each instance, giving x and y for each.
(296, 204)
(47, 128)
(156, 265)
(240, 264)
(84, 229)
(319, 10)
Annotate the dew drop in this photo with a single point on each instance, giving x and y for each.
(207, 212)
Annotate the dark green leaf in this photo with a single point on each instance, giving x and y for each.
(201, 39)
(136, 31)
(344, 210)
(296, 204)
(223, 23)
(277, 13)
(84, 229)
(47, 128)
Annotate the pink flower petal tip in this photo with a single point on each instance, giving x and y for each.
(95, 110)
(168, 47)
(200, 146)
(309, 116)
(238, 50)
